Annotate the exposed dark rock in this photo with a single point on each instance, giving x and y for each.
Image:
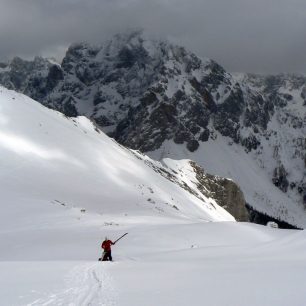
(54, 76)
(69, 109)
(250, 143)
(303, 92)
(163, 115)
(181, 136)
(192, 145)
(99, 97)
(216, 77)
(258, 112)
(205, 94)
(227, 117)
(128, 57)
(280, 178)
(78, 53)
(149, 98)
(226, 193)
(261, 218)
(288, 97)
(204, 135)
(103, 121)
(278, 100)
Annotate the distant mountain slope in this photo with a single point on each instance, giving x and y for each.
(147, 93)
(48, 158)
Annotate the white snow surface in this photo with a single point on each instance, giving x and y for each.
(65, 186)
(54, 159)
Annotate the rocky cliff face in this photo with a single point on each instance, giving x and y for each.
(136, 89)
(145, 92)
(226, 192)
(286, 130)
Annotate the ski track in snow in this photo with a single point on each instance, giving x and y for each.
(86, 285)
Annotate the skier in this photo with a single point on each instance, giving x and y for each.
(106, 246)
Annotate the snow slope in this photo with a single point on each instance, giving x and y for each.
(52, 167)
(68, 162)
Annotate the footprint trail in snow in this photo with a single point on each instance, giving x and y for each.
(86, 285)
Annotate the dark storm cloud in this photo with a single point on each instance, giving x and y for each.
(242, 35)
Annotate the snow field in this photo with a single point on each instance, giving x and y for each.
(67, 161)
(64, 187)
(217, 263)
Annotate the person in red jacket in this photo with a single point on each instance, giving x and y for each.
(106, 246)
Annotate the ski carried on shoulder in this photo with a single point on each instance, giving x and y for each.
(120, 237)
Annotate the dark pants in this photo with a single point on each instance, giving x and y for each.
(107, 256)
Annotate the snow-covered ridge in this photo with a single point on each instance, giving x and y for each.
(54, 159)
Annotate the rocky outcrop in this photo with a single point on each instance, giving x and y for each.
(225, 192)
(280, 178)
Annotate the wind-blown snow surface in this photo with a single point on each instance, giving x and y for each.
(52, 167)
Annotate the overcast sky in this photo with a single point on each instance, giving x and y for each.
(242, 35)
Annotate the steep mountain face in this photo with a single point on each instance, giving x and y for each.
(287, 128)
(34, 78)
(136, 89)
(161, 99)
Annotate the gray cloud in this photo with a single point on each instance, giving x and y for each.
(242, 35)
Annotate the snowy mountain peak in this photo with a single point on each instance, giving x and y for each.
(151, 95)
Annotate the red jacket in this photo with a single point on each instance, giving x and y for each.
(106, 245)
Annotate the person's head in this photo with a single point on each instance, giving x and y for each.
(105, 239)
